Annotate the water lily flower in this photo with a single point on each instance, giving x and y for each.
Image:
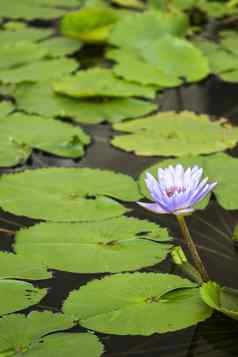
(176, 190)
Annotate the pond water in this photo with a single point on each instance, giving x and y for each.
(211, 228)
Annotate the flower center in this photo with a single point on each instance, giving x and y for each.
(170, 191)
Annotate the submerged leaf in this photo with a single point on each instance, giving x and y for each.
(115, 245)
(20, 133)
(17, 295)
(41, 99)
(100, 82)
(169, 133)
(67, 194)
(137, 304)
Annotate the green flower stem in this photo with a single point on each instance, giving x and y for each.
(192, 248)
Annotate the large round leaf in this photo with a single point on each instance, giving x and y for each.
(20, 133)
(116, 245)
(17, 295)
(67, 194)
(137, 304)
(100, 82)
(16, 266)
(41, 99)
(172, 134)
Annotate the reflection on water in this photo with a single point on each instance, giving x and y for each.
(211, 228)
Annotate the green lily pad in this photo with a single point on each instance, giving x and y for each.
(164, 53)
(174, 134)
(137, 304)
(220, 167)
(215, 8)
(20, 53)
(28, 10)
(17, 295)
(220, 298)
(41, 99)
(100, 82)
(43, 70)
(132, 66)
(57, 3)
(141, 30)
(59, 46)
(21, 334)
(30, 34)
(67, 194)
(28, 338)
(229, 41)
(90, 24)
(117, 245)
(6, 107)
(17, 267)
(178, 4)
(20, 133)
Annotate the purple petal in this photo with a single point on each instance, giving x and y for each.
(154, 207)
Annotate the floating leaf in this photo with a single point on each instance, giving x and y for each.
(26, 9)
(117, 245)
(220, 298)
(56, 3)
(229, 41)
(90, 24)
(20, 53)
(140, 30)
(100, 82)
(132, 66)
(24, 34)
(215, 8)
(59, 46)
(20, 133)
(164, 53)
(137, 304)
(43, 70)
(169, 133)
(179, 4)
(219, 167)
(16, 266)
(17, 295)
(41, 99)
(67, 194)
(134, 4)
(21, 334)
(6, 107)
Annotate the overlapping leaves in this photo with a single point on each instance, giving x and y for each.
(172, 134)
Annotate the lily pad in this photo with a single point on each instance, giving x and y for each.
(29, 337)
(100, 82)
(220, 167)
(17, 267)
(117, 245)
(26, 9)
(20, 133)
(141, 30)
(43, 70)
(23, 34)
(137, 304)
(59, 46)
(90, 24)
(215, 8)
(132, 66)
(67, 194)
(175, 134)
(6, 107)
(220, 298)
(17, 295)
(41, 99)
(20, 53)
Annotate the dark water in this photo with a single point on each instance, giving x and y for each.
(211, 228)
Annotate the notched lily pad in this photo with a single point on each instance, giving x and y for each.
(137, 304)
(20, 133)
(17, 295)
(220, 298)
(115, 245)
(67, 194)
(175, 134)
(41, 99)
(100, 82)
